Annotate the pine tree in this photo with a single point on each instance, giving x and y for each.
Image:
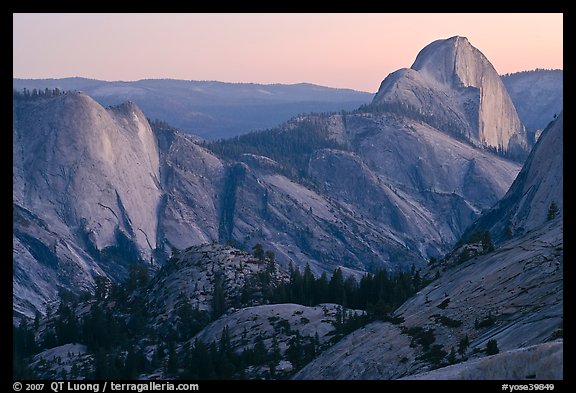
(66, 326)
(201, 363)
(463, 345)
(157, 355)
(336, 287)
(319, 289)
(130, 364)
(308, 282)
(294, 352)
(258, 251)
(553, 211)
(218, 300)
(185, 315)
(171, 362)
(101, 367)
(416, 279)
(508, 232)
(452, 356)
(260, 352)
(487, 244)
(138, 276)
(271, 265)
(37, 318)
(492, 347)
(276, 355)
(225, 345)
(74, 371)
(271, 256)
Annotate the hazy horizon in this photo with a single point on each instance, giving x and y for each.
(355, 51)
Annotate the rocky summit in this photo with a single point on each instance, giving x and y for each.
(454, 86)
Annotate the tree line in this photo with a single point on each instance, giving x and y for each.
(377, 293)
(37, 93)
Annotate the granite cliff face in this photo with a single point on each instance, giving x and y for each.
(417, 183)
(95, 170)
(454, 87)
(105, 191)
(192, 179)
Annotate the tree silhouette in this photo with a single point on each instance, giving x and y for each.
(553, 211)
(492, 347)
(258, 251)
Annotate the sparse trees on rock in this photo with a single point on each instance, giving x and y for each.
(102, 287)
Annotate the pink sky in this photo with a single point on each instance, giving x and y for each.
(338, 50)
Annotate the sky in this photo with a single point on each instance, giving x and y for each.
(338, 50)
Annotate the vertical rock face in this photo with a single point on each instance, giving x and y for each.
(454, 86)
(191, 178)
(94, 169)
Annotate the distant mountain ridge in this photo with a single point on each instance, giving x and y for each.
(211, 109)
(214, 109)
(537, 96)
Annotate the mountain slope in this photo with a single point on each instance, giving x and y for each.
(412, 188)
(513, 295)
(208, 108)
(539, 184)
(455, 88)
(538, 362)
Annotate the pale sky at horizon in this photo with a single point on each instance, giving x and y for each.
(338, 50)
